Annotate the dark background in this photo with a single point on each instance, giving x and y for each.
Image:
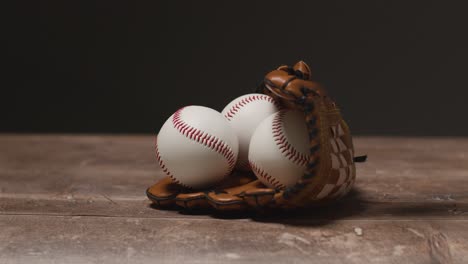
(395, 67)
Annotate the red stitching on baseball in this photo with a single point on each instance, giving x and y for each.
(284, 146)
(263, 174)
(204, 138)
(237, 106)
(163, 166)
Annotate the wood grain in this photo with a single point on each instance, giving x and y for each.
(69, 198)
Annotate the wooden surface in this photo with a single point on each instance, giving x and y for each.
(81, 199)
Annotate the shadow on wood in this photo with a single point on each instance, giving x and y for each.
(354, 206)
(349, 206)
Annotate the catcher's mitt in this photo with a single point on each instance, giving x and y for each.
(330, 172)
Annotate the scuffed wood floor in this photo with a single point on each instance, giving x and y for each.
(81, 199)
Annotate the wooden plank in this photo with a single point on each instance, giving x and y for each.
(50, 239)
(123, 166)
(429, 176)
(414, 169)
(353, 207)
(58, 167)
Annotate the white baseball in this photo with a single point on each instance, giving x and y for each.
(244, 114)
(278, 153)
(196, 147)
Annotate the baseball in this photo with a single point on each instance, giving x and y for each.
(278, 152)
(196, 147)
(244, 114)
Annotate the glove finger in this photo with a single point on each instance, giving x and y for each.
(192, 200)
(197, 199)
(231, 198)
(164, 192)
(259, 197)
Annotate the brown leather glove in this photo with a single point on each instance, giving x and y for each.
(330, 172)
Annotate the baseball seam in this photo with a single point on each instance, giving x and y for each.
(205, 139)
(246, 100)
(284, 146)
(263, 174)
(163, 166)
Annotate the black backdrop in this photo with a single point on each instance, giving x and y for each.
(395, 67)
